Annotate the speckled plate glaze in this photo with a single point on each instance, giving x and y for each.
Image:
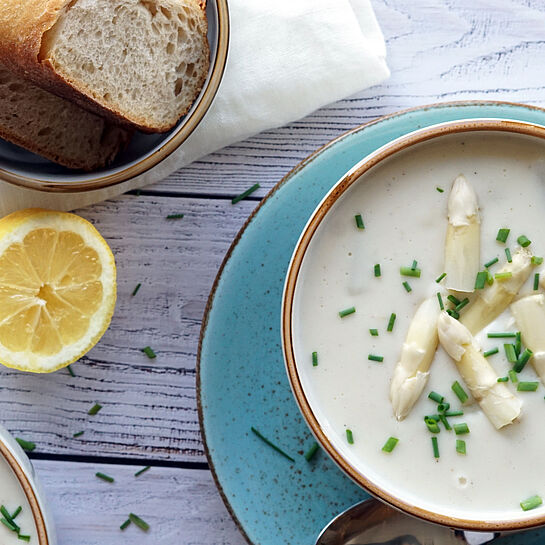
(241, 379)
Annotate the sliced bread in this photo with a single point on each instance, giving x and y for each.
(54, 127)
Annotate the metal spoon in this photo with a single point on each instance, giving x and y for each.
(373, 523)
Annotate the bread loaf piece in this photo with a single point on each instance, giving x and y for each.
(54, 127)
(141, 62)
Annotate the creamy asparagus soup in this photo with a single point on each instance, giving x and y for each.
(419, 326)
(18, 524)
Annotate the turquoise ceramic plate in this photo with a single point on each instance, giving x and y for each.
(241, 377)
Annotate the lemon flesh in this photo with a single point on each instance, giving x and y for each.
(57, 289)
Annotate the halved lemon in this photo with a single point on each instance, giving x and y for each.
(57, 289)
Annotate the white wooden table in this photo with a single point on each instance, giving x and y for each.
(439, 50)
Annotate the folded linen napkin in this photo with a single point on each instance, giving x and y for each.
(287, 58)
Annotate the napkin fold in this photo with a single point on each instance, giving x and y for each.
(287, 58)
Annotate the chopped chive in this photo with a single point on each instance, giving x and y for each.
(443, 407)
(6, 513)
(135, 290)
(409, 271)
(148, 350)
(377, 270)
(347, 312)
(372, 357)
(460, 392)
(432, 425)
(29, 446)
(309, 454)
(143, 525)
(391, 322)
(531, 503)
(374, 332)
(272, 445)
(454, 413)
(78, 434)
(461, 429)
(503, 275)
(70, 370)
(245, 194)
(349, 437)
(460, 446)
(513, 376)
(125, 524)
(16, 512)
(9, 524)
(414, 265)
(508, 255)
(440, 299)
(518, 344)
(104, 477)
(390, 444)
(480, 280)
(143, 470)
(491, 352)
(94, 409)
(435, 447)
(502, 235)
(439, 278)
(454, 300)
(536, 260)
(524, 241)
(23, 537)
(491, 262)
(174, 216)
(407, 287)
(359, 222)
(501, 335)
(433, 417)
(503, 379)
(489, 278)
(441, 190)
(522, 360)
(527, 386)
(452, 312)
(536, 281)
(462, 304)
(314, 359)
(444, 420)
(434, 396)
(510, 352)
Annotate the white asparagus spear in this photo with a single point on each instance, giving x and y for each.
(412, 371)
(462, 242)
(529, 313)
(497, 402)
(493, 300)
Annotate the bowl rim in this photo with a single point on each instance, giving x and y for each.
(339, 188)
(25, 482)
(171, 143)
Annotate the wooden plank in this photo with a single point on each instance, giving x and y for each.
(437, 52)
(180, 505)
(149, 405)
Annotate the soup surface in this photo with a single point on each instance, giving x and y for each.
(405, 218)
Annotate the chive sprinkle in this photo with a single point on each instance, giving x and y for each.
(440, 299)
(9, 524)
(377, 270)
(414, 265)
(347, 312)
(489, 278)
(444, 421)
(459, 391)
(6, 513)
(104, 477)
(522, 360)
(434, 396)
(454, 413)
(359, 222)
(390, 444)
(454, 300)
(70, 370)
(374, 332)
(462, 304)
(527, 386)
(441, 190)
(536, 260)
(531, 503)
(480, 280)
(536, 281)
(349, 437)
(439, 278)
(502, 235)
(435, 447)
(491, 262)
(432, 425)
(433, 417)
(174, 216)
(78, 434)
(148, 350)
(501, 335)
(143, 525)
(524, 241)
(125, 524)
(503, 379)
(245, 194)
(272, 445)
(23, 537)
(391, 322)
(16, 512)
(94, 409)
(143, 470)
(452, 312)
(513, 376)
(461, 429)
(309, 454)
(314, 359)
(491, 352)
(409, 271)
(503, 275)
(518, 344)
(510, 352)
(460, 446)
(372, 357)
(443, 407)
(135, 290)
(29, 446)
(508, 255)
(407, 287)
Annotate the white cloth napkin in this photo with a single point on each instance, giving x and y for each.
(287, 58)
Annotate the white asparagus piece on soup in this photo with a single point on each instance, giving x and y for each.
(529, 313)
(493, 300)
(496, 400)
(463, 238)
(417, 353)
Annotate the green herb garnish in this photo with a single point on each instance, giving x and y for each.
(390, 444)
(125, 524)
(501, 335)
(480, 280)
(70, 370)
(508, 255)
(491, 352)
(454, 300)
(502, 235)
(135, 290)
(435, 446)
(94, 409)
(439, 278)
(309, 454)
(271, 444)
(78, 434)
(531, 503)
(440, 189)
(536, 281)
(359, 222)
(139, 522)
(510, 352)
(349, 437)
(245, 194)
(314, 359)
(460, 446)
(409, 271)
(536, 260)
(104, 477)
(459, 391)
(522, 360)
(29, 446)
(491, 262)
(440, 299)
(527, 386)
(461, 304)
(454, 413)
(503, 379)
(461, 429)
(391, 322)
(407, 287)
(513, 376)
(524, 241)
(444, 420)
(373, 357)
(432, 425)
(374, 332)
(148, 350)
(143, 470)
(174, 216)
(434, 396)
(377, 270)
(347, 312)
(503, 275)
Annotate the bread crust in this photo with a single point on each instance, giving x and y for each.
(23, 24)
